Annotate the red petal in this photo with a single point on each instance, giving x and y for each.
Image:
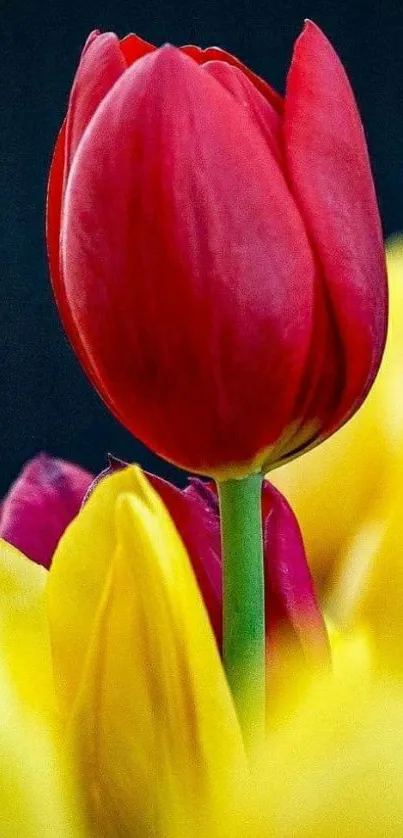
(188, 330)
(217, 54)
(53, 220)
(46, 496)
(133, 48)
(331, 179)
(258, 109)
(290, 593)
(101, 65)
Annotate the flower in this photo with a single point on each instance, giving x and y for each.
(113, 679)
(227, 299)
(48, 495)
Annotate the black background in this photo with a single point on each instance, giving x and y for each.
(45, 400)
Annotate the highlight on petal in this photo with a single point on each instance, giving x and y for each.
(101, 64)
(152, 722)
(40, 504)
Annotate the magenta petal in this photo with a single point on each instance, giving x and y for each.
(290, 593)
(44, 499)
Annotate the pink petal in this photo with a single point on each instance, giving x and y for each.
(202, 56)
(101, 65)
(44, 499)
(260, 110)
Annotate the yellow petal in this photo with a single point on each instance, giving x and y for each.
(24, 633)
(335, 487)
(368, 589)
(77, 578)
(335, 767)
(37, 793)
(153, 723)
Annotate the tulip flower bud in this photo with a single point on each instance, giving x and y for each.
(216, 253)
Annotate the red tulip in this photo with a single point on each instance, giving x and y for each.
(216, 253)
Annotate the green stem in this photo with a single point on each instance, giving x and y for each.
(243, 600)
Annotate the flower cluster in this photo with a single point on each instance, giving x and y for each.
(175, 662)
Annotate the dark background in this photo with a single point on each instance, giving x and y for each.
(45, 400)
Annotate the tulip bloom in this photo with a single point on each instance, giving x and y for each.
(216, 252)
(48, 494)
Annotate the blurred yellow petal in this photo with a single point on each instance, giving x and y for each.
(153, 723)
(335, 487)
(24, 633)
(37, 794)
(334, 767)
(368, 589)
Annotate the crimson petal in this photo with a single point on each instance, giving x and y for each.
(331, 179)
